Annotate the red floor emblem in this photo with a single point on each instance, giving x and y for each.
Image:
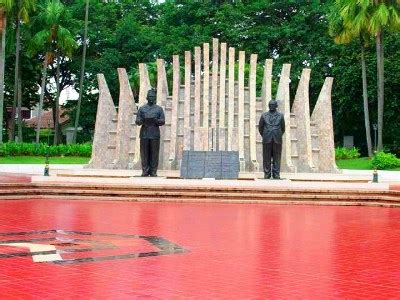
(66, 247)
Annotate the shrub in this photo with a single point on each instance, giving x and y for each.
(383, 161)
(32, 149)
(347, 153)
(2, 150)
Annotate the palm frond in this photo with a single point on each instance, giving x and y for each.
(7, 4)
(38, 42)
(65, 41)
(379, 18)
(394, 20)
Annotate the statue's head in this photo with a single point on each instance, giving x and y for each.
(273, 105)
(151, 96)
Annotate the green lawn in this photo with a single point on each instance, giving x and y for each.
(363, 163)
(41, 160)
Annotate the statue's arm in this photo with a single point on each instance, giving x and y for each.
(283, 125)
(161, 118)
(139, 119)
(261, 125)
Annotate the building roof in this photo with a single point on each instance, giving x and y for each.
(46, 121)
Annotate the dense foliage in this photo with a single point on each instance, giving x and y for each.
(347, 153)
(18, 149)
(124, 33)
(384, 161)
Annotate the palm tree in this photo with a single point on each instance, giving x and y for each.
(345, 35)
(386, 14)
(55, 41)
(377, 16)
(78, 109)
(21, 8)
(5, 7)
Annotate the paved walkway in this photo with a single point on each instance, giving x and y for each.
(384, 176)
(194, 183)
(34, 168)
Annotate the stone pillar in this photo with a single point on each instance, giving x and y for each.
(214, 94)
(301, 111)
(162, 93)
(231, 97)
(241, 110)
(322, 119)
(144, 88)
(266, 90)
(174, 112)
(103, 151)
(186, 121)
(252, 113)
(206, 96)
(126, 110)
(283, 98)
(200, 131)
(162, 83)
(197, 87)
(222, 99)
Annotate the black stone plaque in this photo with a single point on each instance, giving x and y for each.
(210, 164)
(196, 161)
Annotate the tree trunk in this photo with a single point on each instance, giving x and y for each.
(42, 91)
(19, 104)
(20, 140)
(57, 105)
(16, 74)
(2, 67)
(365, 98)
(78, 108)
(380, 77)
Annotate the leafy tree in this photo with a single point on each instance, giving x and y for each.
(124, 33)
(21, 10)
(78, 109)
(56, 41)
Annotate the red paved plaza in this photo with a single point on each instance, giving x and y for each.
(122, 250)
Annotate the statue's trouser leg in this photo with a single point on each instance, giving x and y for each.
(154, 155)
(144, 156)
(276, 159)
(267, 154)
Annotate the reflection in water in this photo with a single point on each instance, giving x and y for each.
(236, 251)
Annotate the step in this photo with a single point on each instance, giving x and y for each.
(196, 194)
(188, 200)
(187, 188)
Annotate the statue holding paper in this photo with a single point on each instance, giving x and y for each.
(150, 116)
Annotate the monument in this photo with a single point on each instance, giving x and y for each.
(271, 127)
(214, 110)
(150, 117)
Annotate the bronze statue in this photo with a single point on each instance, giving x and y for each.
(151, 117)
(271, 128)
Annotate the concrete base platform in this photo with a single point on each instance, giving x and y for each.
(103, 173)
(163, 189)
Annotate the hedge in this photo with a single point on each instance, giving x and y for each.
(347, 153)
(32, 149)
(384, 161)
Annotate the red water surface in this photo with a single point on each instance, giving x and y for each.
(232, 251)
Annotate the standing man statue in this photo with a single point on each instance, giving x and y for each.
(271, 128)
(151, 117)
